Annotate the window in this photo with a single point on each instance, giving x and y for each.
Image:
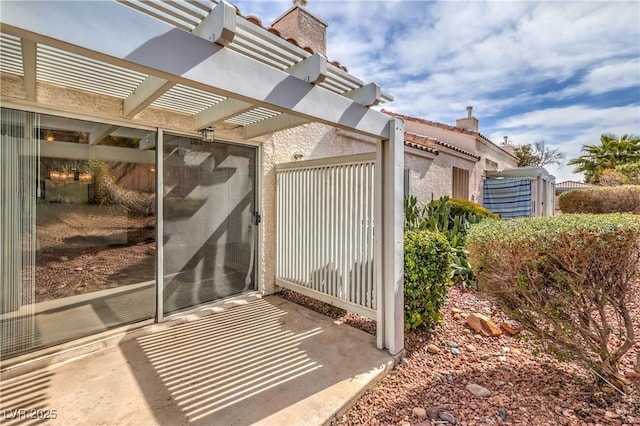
(460, 183)
(407, 173)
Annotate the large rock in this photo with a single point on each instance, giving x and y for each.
(483, 325)
(479, 391)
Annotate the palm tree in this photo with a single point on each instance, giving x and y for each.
(611, 152)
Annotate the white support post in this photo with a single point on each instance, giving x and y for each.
(159, 225)
(29, 60)
(390, 253)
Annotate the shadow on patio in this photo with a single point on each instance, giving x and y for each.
(268, 361)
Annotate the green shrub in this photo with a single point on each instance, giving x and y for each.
(606, 199)
(451, 217)
(567, 279)
(427, 259)
(467, 209)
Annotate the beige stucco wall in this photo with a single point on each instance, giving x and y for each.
(432, 178)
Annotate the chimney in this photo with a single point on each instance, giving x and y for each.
(506, 140)
(304, 27)
(469, 122)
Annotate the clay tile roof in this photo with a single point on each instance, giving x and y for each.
(571, 184)
(254, 20)
(308, 49)
(293, 41)
(431, 143)
(423, 143)
(441, 126)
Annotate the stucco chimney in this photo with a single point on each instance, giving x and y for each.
(469, 122)
(304, 27)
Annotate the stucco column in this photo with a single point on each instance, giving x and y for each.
(389, 236)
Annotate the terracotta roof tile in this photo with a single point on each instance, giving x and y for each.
(571, 184)
(432, 143)
(442, 126)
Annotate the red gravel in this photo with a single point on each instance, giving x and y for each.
(528, 387)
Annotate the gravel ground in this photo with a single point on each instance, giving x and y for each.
(526, 387)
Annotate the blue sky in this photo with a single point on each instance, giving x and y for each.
(561, 71)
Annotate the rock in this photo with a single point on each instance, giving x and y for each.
(496, 400)
(479, 391)
(405, 423)
(483, 325)
(420, 412)
(447, 417)
(502, 413)
(632, 374)
(506, 349)
(437, 378)
(404, 361)
(455, 351)
(467, 331)
(509, 329)
(456, 310)
(433, 413)
(516, 351)
(79, 268)
(433, 349)
(471, 348)
(478, 336)
(449, 377)
(64, 259)
(457, 317)
(452, 344)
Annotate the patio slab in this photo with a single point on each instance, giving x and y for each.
(266, 362)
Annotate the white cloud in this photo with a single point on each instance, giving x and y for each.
(532, 70)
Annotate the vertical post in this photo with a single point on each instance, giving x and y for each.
(159, 226)
(390, 178)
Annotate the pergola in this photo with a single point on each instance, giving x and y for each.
(212, 66)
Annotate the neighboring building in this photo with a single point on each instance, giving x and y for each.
(454, 158)
(147, 171)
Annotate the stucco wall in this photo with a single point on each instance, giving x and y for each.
(432, 178)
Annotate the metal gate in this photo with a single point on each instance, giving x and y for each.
(325, 230)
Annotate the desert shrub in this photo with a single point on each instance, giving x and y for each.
(427, 259)
(467, 209)
(567, 279)
(452, 218)
(607, 199)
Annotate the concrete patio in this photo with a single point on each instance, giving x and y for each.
(263, 361)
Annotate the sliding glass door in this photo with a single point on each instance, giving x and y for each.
(78, 229)
(209, 221)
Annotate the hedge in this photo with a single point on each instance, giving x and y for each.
(559, 275)
(606, 199)
(427, 259)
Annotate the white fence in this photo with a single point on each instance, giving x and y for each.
(325, 235)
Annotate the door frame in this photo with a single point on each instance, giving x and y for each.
(258, 270)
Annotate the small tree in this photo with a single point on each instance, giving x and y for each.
(537, 155)
(566, 279)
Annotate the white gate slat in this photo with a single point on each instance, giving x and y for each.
(325, 230)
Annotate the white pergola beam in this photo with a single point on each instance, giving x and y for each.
(312, 69)
(203, 65)
(273, 124)
(367, 95)
(29, 67)
(148, 91)
(219, 26)
(96, 137)
(220, 112)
